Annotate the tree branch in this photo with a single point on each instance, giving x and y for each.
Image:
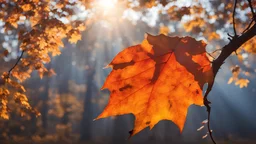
(253, 13)
(9, 72)
(227, 50)
(232, 46)
(234, 23)
(208, 108)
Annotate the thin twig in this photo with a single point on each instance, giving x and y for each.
(248, 26)
(220, 49)
(230, 36)
(253, 13)
(234, 23)
(232, 46)
(253, 16)
(227, 50)
(208, 107)
(211, 56)
(9, 72)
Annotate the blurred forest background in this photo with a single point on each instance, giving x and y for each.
(68, 96)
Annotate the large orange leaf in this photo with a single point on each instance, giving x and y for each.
(158, 80)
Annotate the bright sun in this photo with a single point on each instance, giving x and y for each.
(106, 5)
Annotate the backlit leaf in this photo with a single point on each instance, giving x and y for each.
(242, 83)
(158, 80)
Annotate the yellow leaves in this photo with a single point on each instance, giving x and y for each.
(4, 113)
(74, 36)
(22, 99)
(242, 83)
(4, 94)
(240, 57)
(13, 19)
(195, 23)
(164, 30)
(229, 6)
(17, 85)
(197, 9)
(42, 39)
(158, 80)
(56, 52)
(250, 46)
(26, 7)
(21, 76)
(176, 13)
(213, 35)
(150, 4)
(42, 43)
(15, 96)
(230, 80)
(40, 35)
(41, 71)
(4, 110)
(59, 42)
(35, 19)
(81, 27)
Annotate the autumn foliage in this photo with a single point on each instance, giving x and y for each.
(40, 33)
(158, 80)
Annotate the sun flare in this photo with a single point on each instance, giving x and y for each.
(107, 6)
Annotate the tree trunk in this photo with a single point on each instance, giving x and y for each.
(87, 113)
(45, 107)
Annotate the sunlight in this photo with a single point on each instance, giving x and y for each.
(107, 6)
(108, 12)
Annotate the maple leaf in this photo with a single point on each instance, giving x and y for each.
(158, 80)
(74, 36)
(242, 83)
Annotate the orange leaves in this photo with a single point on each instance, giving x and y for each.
(213, 35)
(40, 29)
(158, 80)
(74, 36)
(196, 23)
(164, 30)
(26, 7)
(4, 93)
(250, 46)
(236, 78)
(176, 13)
(22, 100)
(13, 19)
(242, 83)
